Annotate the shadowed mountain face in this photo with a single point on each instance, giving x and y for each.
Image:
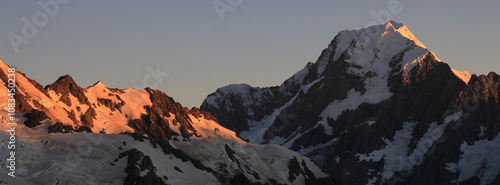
(376, 107)
(67, 134)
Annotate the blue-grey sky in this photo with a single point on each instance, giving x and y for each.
(257, 42)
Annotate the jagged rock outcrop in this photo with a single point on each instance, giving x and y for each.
(65, 86)
(34, 118)
(87, 119)
(138, 163)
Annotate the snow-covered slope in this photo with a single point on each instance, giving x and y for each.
(98, 135)
(371, 109)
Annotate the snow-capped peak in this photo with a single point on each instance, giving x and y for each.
(404, 31)
(374, 47)
(99, 85)
(371, 52)
(374, 80)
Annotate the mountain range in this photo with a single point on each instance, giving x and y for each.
(67, 134)
(377, 107)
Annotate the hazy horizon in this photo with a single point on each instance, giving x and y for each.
(197, 50)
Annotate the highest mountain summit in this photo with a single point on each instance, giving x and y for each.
(377, 107)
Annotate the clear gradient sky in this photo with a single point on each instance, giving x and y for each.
(259, 42)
